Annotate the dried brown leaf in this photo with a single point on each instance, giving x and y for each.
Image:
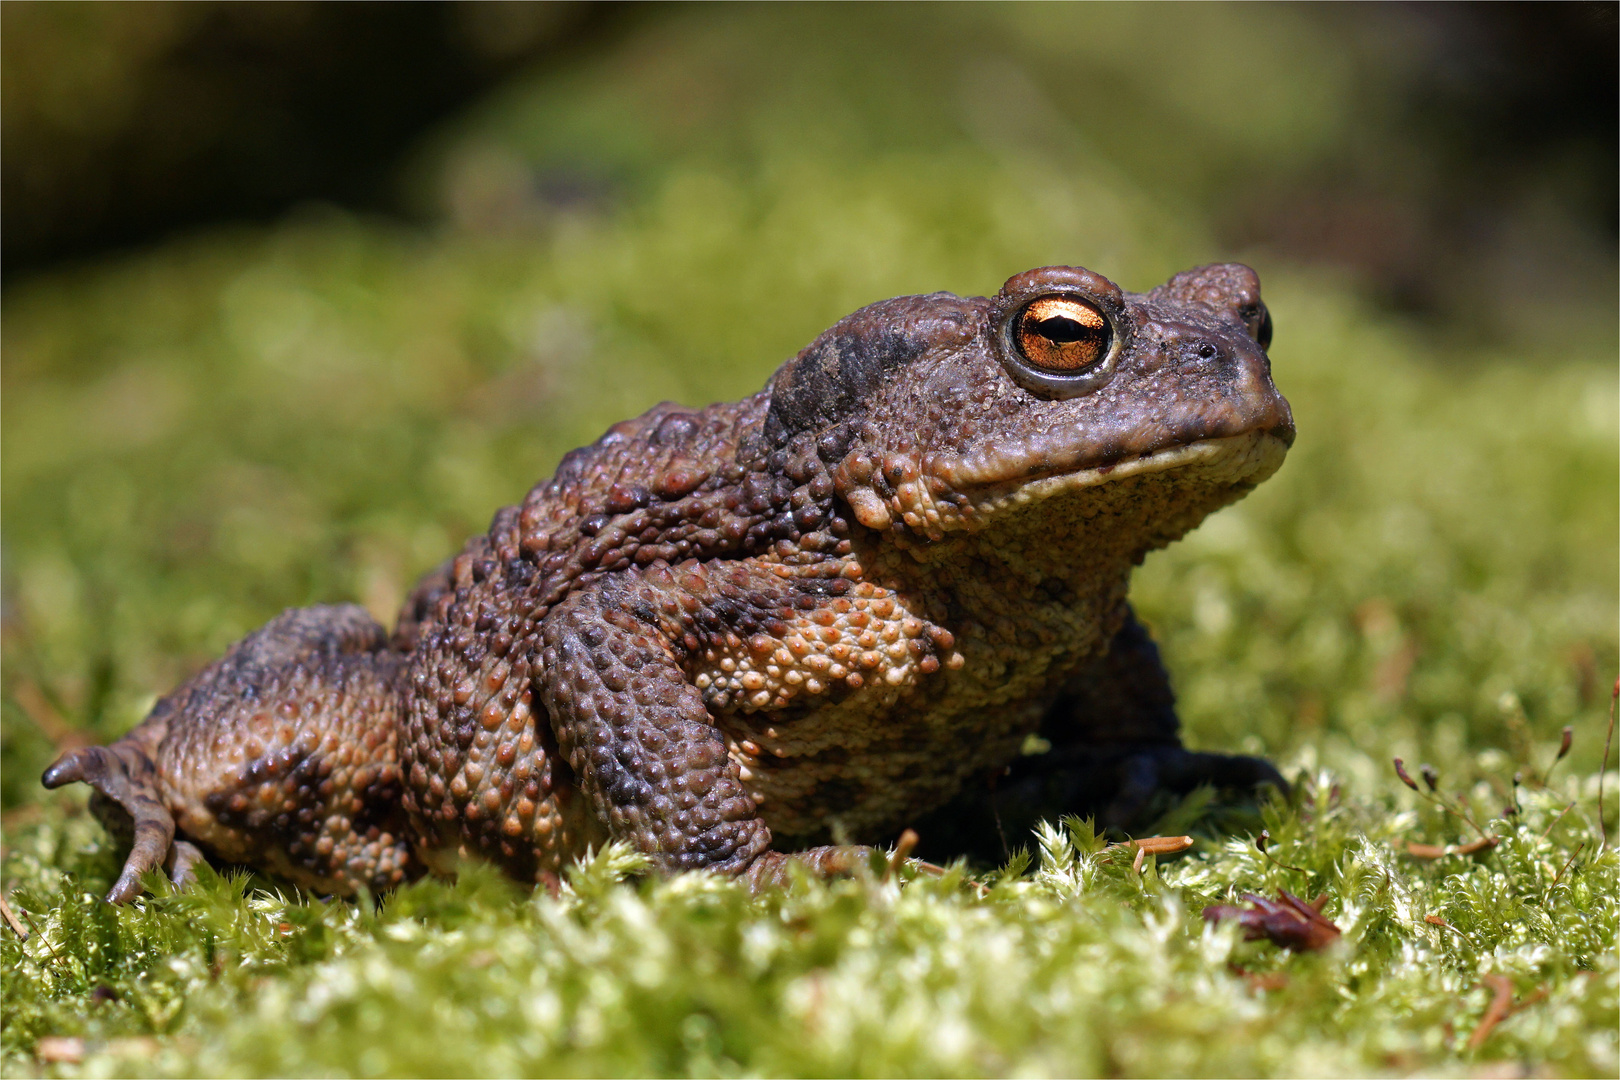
(1287, 921)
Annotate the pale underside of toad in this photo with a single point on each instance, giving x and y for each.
(733, 635)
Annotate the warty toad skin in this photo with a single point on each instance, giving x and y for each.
(733, 635)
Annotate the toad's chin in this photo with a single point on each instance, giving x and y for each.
(1233, 461)
(959, 494)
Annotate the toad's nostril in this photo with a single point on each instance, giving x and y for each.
(1204, 351)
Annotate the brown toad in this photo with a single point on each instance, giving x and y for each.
(728, 633)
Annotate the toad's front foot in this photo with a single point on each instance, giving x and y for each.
(1125, 780)
(1114, 784)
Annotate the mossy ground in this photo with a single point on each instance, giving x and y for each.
(199, 435)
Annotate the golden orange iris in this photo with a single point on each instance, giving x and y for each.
(1062, 334)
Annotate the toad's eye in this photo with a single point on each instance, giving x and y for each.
(1257, 318)
(1061, 334)
(1060, 345)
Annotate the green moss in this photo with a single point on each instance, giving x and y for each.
(197, 436)
(1083, 967)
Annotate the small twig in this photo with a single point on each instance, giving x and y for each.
(1440, 921)
(1548, 831)
(1260, 843)
(1435, 851)
(1465, 805)
(1158, 845)
(1568, 862)
(1152, 845)
(1514, 809)
(11, 920)
(1539, 994)
(1603, 826)
(49, 947)
(1564, 744)
(1501, 1005)
(903, 848)
(1432, 795)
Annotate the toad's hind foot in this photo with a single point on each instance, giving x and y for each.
(280, 755)
(127, 802)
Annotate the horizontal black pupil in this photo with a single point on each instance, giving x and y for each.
(1062, 331)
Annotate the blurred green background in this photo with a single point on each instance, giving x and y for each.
(296, 295)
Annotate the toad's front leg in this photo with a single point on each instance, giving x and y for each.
(636, 731)
(1116, 743)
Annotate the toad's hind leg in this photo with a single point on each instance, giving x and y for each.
(280, 755)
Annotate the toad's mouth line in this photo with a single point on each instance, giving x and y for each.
(1246, 458)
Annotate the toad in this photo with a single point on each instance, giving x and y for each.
(764, 632)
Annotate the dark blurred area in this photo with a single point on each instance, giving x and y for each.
(1505, 116)
(1487, 137)
(123, 122)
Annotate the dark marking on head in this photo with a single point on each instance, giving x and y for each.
(836, 376)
